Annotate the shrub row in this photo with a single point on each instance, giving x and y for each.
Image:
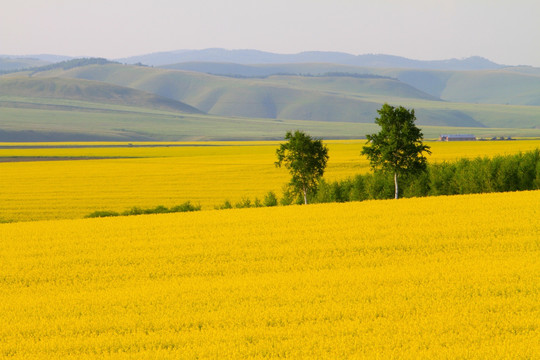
(481, 175)
(185, 207)
(464, 176)
(270, 199)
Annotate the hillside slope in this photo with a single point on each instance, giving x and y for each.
(513, 85)
(254, 108)
(326, 98)
(88, 91)
(495, 87)
(8, 64)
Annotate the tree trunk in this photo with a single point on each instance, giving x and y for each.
(396, 186)
(305, 195)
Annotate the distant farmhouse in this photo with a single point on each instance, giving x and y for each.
(457, 137)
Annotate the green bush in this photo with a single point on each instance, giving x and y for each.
(160, 209)
(243, 203)
(415, 186)
(536, 184)
(287, 198)
(133, 211)
(380, 186)
(102, 213)
(324, 193)
(185, 207)
(528, 167)
(226, 205)
(358, 190)
(270, 199)
(441, 179)
(257, 203)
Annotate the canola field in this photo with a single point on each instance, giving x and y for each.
(435, 278)
(203, 173)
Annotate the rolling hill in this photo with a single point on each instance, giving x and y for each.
(8, 64)
(115, 101)
(325, 98)
(342, 98)
(512, 85)
(88, 91)
(493, 87)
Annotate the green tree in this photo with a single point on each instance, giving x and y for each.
(397, 148)
(305, 158)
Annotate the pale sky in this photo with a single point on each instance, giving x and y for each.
(504, 31)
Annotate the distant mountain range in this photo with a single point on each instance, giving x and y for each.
(261, 57)
(251, 57)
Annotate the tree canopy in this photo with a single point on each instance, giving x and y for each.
(397, 147)
(305, 158)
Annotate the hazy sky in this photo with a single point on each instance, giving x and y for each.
(505, 31)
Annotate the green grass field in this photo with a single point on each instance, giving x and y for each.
(63, 120)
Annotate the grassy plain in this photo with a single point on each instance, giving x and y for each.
(29, 119)
(447, 277)
(150, 176)
(50, 121)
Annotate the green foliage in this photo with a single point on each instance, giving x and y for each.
(306, 159)
(536, 183)
(270, 199)
(338, 191)
(160, 209)
(324, 192)
(226, 205)
(442, 177)
(243, 203)
(102, 213)
(358, 191)
(287, 197)
(185, 207)
(417, 185)
(379, 186)
(397, 148)
(481, 175)
(135, 211)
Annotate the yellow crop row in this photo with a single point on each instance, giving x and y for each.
(150, 176)
(431, 278)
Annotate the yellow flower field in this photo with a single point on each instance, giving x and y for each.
(435, 278)
(150, 176)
